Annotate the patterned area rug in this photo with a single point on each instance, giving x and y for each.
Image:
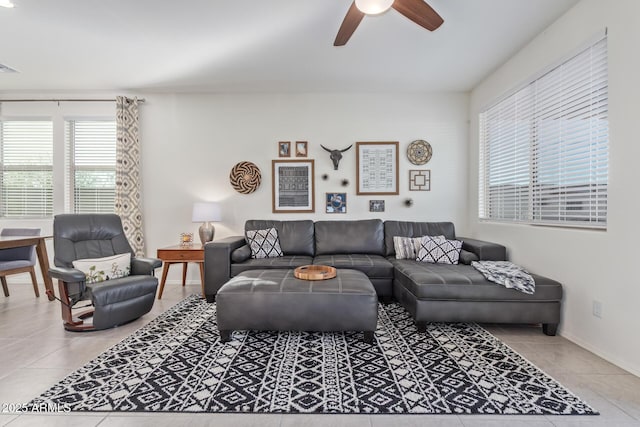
(176, 363)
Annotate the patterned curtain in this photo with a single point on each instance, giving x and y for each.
(127, 199)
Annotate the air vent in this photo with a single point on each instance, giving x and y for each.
(5, 69)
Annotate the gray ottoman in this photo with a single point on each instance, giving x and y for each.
(275, 300)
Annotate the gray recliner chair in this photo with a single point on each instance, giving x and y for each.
(115, 301)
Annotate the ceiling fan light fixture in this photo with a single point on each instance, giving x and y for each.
(373, 7)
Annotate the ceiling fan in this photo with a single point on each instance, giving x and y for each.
(416, 10)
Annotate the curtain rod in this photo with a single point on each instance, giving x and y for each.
(63, 100)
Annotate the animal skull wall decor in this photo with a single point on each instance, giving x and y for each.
(335, 155)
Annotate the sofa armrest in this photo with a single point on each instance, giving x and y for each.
(144, 266)
(217, 263)
(486, 251)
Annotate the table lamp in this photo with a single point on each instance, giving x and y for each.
(205, 212)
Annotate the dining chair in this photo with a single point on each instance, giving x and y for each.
(18, 260)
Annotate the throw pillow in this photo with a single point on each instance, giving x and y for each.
(264, 243)
(406, 247)
(101, 269)
(439, 250)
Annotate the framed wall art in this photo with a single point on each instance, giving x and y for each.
(377, 168)
(419, 180)
(284, 149)
(301, 148)
(376, 205)
(292, 186)
(336, 203)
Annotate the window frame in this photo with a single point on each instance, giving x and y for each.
(531, 211)
(47, 208)
(71, 193)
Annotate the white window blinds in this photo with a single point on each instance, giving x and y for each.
(26, 155)
(92, 151)
(544, 149)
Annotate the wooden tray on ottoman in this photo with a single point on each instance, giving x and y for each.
(315, 272)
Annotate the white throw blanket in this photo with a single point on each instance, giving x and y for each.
(507, 274)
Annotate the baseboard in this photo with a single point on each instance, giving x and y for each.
(632, 369)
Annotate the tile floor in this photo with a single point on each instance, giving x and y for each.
(37, 352)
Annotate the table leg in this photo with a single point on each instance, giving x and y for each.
(165, 270)
(202, 277)
(43, 260)
(184, 273)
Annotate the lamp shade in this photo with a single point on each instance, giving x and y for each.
(373, 7)
(205, 211)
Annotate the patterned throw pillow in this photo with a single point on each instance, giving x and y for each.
(101, 269)
(264, 243)
(406, 247)
(439, 250)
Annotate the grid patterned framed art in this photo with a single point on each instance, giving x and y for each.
(292, 186)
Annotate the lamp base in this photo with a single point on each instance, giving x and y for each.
(206, 232)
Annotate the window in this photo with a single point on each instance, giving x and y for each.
(26, 155)
(544, 149)
(92, 176)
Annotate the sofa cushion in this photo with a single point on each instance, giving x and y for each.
(439, 250)
(374, 266)
(350, 237)
(287, 261)
(414, 229)
(463, 282)
(296, 237)
(264, 243)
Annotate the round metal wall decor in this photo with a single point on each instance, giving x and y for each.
(419, 152)
(245, 177)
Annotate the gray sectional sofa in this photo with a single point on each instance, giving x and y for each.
(430, 292)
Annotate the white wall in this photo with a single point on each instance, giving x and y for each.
(592, 265)
(191, 142)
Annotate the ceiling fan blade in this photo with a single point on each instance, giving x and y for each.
(419, 12)
(351, 21)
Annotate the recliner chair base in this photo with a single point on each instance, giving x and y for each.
(76, 324)
(110, 315)
(70, 322)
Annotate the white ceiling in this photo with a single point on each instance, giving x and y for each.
(257, 45)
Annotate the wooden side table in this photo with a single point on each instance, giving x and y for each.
(184, 255)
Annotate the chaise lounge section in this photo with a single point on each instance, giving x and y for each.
(429, 292)
(460, 293)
